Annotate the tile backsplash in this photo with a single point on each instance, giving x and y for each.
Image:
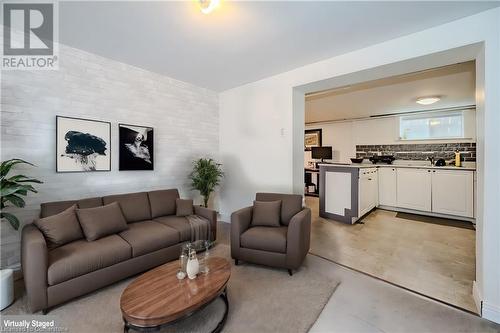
(420, 151)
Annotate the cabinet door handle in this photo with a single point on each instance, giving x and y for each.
(369, 179)
(428, 170)
(393, 169)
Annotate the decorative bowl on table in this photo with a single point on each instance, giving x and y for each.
(356, 160)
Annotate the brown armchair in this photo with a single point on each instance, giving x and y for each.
(285, 246)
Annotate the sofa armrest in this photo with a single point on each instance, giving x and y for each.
(240, 222)
(298, 238)
(34, 261)
(210, 215)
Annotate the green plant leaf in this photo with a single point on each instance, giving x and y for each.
(13, 220)
(23, 179)
(15, 200)
(13, 188)
(7, 165)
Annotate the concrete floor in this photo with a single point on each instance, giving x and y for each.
(431, 259)
(364, 304)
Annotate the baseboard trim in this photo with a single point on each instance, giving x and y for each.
(478, 298)
(412, 211)
(491, 312)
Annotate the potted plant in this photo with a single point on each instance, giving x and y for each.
(12, 190)
(205, 177)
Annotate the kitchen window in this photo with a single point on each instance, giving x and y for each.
(448, 125)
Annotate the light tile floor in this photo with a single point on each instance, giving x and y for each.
(364, 304)
(434, 260)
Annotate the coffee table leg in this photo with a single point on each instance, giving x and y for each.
(223, 321)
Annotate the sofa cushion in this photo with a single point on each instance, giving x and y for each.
(266, 213)
(53, 208)
(61, 228)
(291, 204)
(135, 206)
(181, 224)
(184, 207)
(82, 257)
(90, 202)
(148, 236)
(272, 239)
(101, 221)
(163, 202)
(56, 207)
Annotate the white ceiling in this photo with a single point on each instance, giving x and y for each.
(455, 85)
(242, 42)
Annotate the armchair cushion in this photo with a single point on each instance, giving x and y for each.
(291, 204)
(271, 239)
(61, 228)
(266, 213)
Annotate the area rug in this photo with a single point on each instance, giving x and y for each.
(261, 299)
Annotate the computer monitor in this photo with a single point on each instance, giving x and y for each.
(323, 153)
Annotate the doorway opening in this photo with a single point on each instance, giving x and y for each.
(414, 224)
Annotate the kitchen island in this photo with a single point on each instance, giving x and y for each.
(350, 191)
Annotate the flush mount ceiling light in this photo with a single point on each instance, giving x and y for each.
(428, 100)
(207, 6)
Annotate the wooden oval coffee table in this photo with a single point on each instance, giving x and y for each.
(157, 298)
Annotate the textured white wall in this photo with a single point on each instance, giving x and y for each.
(184, 117)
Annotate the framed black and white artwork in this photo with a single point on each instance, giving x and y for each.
(136, 147)
(82, 145)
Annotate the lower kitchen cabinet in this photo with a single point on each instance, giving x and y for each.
(387, 187)
(368, 190)
(414, 188)
(453, 192)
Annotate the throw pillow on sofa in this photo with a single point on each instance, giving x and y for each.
(61, 228)
(101, 221)
(266, 213)
(184, 207)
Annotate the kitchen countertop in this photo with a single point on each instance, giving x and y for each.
(416, 166)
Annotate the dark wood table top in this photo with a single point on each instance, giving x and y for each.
(157, 297)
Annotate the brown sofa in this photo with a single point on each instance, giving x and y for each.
(154, 236)
(285, 246)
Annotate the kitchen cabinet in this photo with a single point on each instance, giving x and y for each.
(368, 190)
(452, 192)
(414, 188)
(348, 192)
(387, 186)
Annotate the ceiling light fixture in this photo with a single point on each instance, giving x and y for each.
(428, 100)
(208, 6)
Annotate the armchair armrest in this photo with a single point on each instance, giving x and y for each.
(240, 222)
(298, 238)
(210, 215)
(34, 261)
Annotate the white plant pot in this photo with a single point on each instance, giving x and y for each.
(6, 288)
(192, 268)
